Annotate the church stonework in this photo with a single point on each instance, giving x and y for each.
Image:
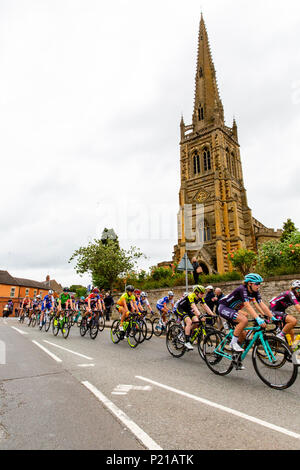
(211, 175)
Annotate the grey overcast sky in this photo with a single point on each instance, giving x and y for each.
(91, 96)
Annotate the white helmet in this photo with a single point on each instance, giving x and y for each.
(143, 294)
(170, 293)
(295, 284)
(38, 296)
(50, 292)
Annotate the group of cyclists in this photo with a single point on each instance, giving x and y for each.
(243, 302)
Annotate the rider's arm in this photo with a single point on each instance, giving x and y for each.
(208, 310)
(252, 312)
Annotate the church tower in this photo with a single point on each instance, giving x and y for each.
(214, 217)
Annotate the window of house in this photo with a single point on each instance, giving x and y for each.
(196, 163)
(206, 160)
(35, 292)
(26, 291)
(12, 291)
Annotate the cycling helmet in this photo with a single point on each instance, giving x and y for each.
(82, 298)
(38, 296)
(143, 294)
(253, 277)
(130, 288)
(66, 289)
(50, 292)
(199, 289)
(295, 284)
(137, 292)
(170, 293)
(95, 290)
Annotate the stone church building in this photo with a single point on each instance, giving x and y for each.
(212, 179)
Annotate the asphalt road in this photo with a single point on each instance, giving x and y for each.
(77, 393)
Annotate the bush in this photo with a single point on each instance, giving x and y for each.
(280, 257)
(242, 260)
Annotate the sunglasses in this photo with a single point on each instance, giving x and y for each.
(257, 283)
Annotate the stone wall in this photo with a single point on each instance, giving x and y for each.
(269, 289)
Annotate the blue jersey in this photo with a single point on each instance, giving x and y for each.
(162, 301)
(48, 300)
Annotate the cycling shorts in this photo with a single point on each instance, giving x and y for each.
(279, 315)
(227, 313)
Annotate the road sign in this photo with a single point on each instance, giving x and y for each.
(185, 264)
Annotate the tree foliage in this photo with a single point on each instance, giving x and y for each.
(288, 229)
(105, 261)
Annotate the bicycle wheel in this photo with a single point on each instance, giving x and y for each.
(47, 322)
(273, 363)
(134, 334)
(200, 341)
(65, 328)
(216, 355)
(175, 340)
(149, 328)
(143, 326)
(101, 322)
(157, 328)
(94, 328)
(115, 333)
(33, 321)
(55, 326)
(83, 327)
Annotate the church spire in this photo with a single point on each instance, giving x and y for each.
(208, 108)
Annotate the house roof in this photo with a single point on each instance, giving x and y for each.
(6, 278)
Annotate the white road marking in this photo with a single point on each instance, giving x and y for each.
(273, 427)
(20, 331)
(86, 365)
(68, 350)
(123, 389)
(134, 428)
(57, 359)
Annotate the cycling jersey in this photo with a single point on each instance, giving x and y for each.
(93, 299)
(283, 301)
(184, 305)
(48, 301)
(64, 298)
(162, 301)
(127, 298)
(238, 297)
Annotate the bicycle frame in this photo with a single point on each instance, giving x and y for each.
(258, 334)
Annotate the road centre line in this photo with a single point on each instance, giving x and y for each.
(68, 350)
(20, 331)
(134, 428)
(57, 359)
(239, 414)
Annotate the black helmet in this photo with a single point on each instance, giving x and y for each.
(66, 289)
(129, 288)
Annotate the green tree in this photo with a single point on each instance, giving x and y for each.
(105, 262)
(79, 290)
(288, 229)
(242, 260)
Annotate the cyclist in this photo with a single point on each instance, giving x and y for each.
(126, 304)
(64, 300)
(230, 308)
(144, 303)
(188, 312)
(94, 301)
(280, 303)
(162, 306)
(25, 306)
(48, 303)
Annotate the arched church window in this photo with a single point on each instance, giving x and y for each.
(206, 159)
(200, 113)
(228, 160)
(205, 232)
(196, 163)
(201, 72)
(233, 164)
